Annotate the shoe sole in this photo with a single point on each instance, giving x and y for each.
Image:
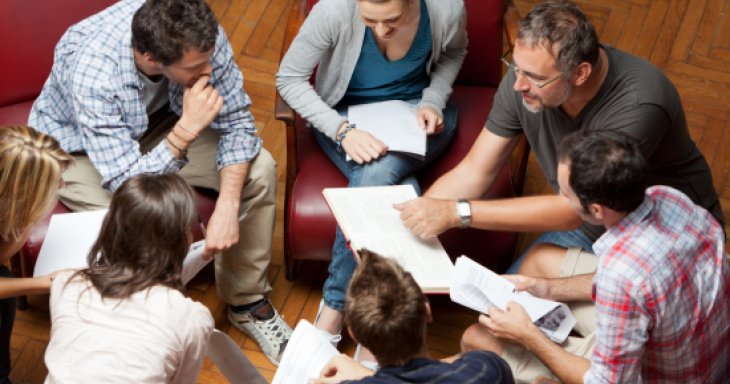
(246, 332)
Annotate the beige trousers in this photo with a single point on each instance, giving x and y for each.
(241, 271)
(526, 367)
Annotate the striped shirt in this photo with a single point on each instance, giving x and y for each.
(661, 292)
(93, 100)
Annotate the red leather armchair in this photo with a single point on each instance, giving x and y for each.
(30, 31)
(309, 228)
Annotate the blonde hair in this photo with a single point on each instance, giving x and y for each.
(30, 166)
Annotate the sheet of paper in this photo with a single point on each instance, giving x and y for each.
(194, 261)
(478, 288)
(68, 241)
(368, 219)
(305, 356)
(70, 237)
(231, 361)
(392, 122)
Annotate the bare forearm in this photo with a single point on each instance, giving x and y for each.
(233, 178)
(525, 214)
(575, 288)
(463, 182)
(567, 367)
(11, 287)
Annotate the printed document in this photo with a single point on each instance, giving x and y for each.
(478, 288)
(392, 122)
(307, 353)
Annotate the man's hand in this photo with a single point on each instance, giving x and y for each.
(513, 325)
(341, 368)
(428, 217)
(222, 230)
(536, 286)
(361, 146)
(430, 120)
(201, 104)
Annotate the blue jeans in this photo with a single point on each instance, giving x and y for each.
(565, 239)
(392, 169)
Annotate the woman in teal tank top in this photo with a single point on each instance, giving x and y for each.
(370, 51)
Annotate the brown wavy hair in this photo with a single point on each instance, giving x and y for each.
(386, 310)
(144, 237)
(31, 164)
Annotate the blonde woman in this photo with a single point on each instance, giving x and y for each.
(31, 165)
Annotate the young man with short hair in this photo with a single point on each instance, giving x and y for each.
(661, 285)
(562, 79)
(387, 312)
(152, 87)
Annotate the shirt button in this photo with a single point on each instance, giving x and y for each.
(219, 163)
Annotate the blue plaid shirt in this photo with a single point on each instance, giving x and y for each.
(93, 101)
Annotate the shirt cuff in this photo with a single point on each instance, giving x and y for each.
(164, 156)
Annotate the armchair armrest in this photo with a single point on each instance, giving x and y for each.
(298, 14)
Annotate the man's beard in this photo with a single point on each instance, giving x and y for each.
(557, 99)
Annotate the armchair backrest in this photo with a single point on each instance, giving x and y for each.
(482, 66)
(30, 30)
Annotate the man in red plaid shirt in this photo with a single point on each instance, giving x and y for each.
(660, 309)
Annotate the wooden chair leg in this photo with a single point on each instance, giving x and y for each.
(16, 267)
(290, 263)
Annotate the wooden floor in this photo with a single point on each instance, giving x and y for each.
(688, 39)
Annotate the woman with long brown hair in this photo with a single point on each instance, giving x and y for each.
(126, 317)
(31, 165)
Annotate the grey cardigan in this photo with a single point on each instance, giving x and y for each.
(332, 37)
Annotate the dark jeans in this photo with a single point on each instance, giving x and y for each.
(7, 318)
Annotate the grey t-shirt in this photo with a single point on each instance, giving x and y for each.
(636, 98)
(155, 93)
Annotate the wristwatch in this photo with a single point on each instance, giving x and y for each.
(463, 209)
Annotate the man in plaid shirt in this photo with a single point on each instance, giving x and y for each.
(152, 87)
(660, 292)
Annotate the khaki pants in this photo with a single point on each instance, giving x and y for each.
(526, 367)
(241, 271)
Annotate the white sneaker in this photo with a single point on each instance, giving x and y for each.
(264, 325)
(334, 339)
(371, 365)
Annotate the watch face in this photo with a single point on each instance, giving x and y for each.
(463, 209)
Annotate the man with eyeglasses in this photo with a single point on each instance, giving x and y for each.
(561, 79)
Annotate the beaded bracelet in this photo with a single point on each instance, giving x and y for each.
(341, 136)
(183, 153)
(183, 128)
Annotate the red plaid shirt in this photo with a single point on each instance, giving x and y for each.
(661, 293)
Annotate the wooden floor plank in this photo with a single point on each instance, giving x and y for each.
(708, 26)
(631, 31)
(722, 36)
(650, 29)
(688, 30)
(668, 32)
(270, 18)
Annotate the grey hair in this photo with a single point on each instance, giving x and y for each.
(563, 23)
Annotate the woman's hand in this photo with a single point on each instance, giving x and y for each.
(361, 146)
(430, 120)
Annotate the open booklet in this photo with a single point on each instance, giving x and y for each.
(70, 237)
(306, 354)
(478, 288)
(392, 122)
(368, 220)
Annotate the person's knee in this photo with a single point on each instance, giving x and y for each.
(263, 171)
(478, 338)
(543, 260)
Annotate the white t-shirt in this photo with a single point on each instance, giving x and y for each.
(152, 337)
(155, 93)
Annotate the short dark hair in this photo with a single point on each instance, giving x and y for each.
(606, 167)
(561, 22)
(386, 310)
(144, 237)
(168, 28)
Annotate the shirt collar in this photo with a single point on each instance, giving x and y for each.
(127, 69)
(614, 234)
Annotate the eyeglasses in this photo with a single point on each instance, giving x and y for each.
(533, 81)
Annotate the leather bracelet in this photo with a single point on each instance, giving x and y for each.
(183, 128)
(183, 153)
(180, 137)
(341, 136)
